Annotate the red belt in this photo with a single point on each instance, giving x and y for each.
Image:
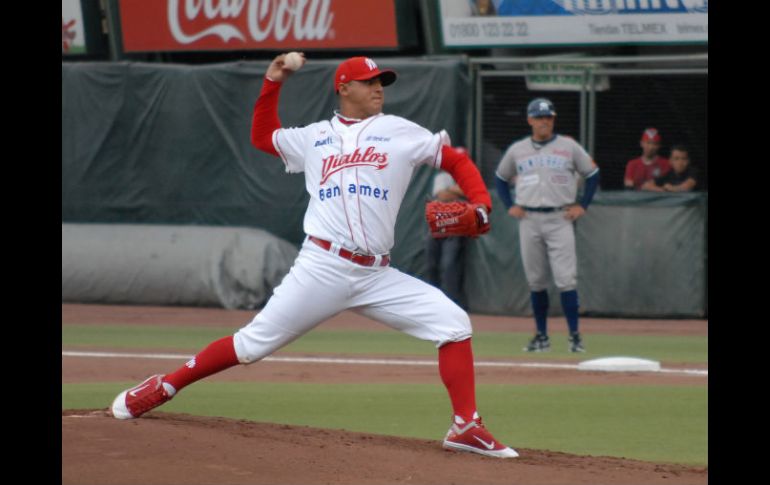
(358, 258)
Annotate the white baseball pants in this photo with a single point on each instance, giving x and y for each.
(321, 284)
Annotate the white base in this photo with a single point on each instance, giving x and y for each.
(620, 364)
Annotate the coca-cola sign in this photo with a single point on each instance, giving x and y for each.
(195, 25)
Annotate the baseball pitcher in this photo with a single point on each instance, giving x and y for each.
(357, 167)
(544, 168)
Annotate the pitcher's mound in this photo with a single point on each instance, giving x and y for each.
(164, 449)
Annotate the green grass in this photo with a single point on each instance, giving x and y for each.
(653, 423)
(660, 424)
(141, 336)
(670, 349)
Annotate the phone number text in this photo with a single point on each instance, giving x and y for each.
(488, 30)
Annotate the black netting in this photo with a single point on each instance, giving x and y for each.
(674, 104)
(504, 117)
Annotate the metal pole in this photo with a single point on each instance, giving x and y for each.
(650, 72)
(579, 60)
(113, 32)
(470, 117)
(602, 71)
(427, 26)
(705, 211)
(591, 112)
(583, 113)
(478, 115)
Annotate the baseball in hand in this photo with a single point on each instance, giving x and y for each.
(292, 61)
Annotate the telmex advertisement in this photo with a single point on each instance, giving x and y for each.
(493, 23)
(205, 25)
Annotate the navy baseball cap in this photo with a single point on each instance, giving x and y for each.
(540, 107)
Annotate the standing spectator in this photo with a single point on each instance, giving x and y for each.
(446, 256)
(681, 178)
(650, 165)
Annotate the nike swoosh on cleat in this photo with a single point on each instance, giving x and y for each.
(489, 446)
(133, 393)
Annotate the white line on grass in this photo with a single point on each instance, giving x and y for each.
(337, 360)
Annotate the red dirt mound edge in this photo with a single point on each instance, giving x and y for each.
(165, 449)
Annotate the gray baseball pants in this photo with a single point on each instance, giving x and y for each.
(548, 240)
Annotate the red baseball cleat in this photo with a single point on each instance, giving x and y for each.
(136, 401)
(475, 438)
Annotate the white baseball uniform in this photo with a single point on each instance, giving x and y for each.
(356, 176)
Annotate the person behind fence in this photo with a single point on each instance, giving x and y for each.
(682, 177)
(483, 7)
(446, 256)
(648, 166)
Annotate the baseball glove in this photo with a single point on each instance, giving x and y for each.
(447, 219)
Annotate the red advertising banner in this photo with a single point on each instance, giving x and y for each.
(205, 25)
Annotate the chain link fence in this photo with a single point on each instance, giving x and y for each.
(604, 103)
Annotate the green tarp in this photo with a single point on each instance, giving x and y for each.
(639, 255)
(170, 145)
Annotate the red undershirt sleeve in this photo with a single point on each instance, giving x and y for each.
(467, 176)
(265, 119)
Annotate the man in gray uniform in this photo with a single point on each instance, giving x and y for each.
(544, 168)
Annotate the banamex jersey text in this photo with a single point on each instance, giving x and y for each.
(364, 190)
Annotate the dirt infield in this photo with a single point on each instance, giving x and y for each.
(170, 449)
(164, 448)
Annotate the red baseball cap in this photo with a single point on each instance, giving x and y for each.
(361, 69)
(651, 134)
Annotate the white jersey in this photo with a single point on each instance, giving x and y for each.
(357, 175)
(546, 173)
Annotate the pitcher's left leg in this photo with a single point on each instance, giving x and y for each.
(412, 306)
